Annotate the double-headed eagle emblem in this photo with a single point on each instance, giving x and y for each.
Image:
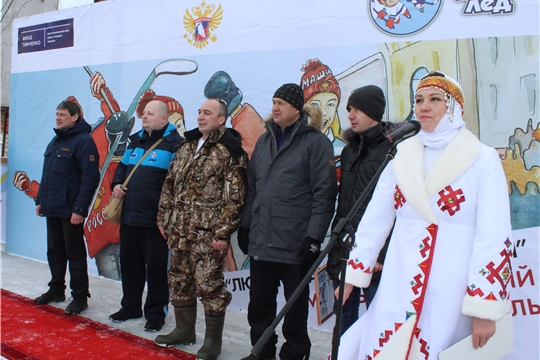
(201, 22)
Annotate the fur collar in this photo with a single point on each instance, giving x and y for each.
(408, 167)
(230, 138)
(314, 117)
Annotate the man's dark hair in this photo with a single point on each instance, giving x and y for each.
(69, 106)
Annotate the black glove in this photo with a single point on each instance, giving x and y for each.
(243, 239)
(309, 251)
(347, 230)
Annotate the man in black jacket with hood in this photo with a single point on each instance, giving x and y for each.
(70, 177)
(365, 151)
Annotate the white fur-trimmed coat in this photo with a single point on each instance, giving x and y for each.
(449, 256)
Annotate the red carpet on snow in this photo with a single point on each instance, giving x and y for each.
(46, 332)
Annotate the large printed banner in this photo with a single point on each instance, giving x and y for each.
(183, 52)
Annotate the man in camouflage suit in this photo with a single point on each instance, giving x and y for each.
(199, 209)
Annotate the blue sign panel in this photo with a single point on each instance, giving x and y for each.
(48, 36)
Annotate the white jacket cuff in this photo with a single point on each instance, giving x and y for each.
(485, 309)
(357, 278)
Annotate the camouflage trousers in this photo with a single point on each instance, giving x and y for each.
(197, 271)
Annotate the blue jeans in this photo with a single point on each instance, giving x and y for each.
(349, 312)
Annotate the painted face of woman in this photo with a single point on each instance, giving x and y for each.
(328, 103)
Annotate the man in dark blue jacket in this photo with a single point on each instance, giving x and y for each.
(70, 177)
(143, 250)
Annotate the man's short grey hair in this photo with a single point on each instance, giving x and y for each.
(222, 109)
(162, 107)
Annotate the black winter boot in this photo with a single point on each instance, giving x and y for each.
(212, 338)
(184, 332)
(78, 305)
(48, 297)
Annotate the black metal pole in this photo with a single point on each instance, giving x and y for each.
(257, 348)
(336, 336)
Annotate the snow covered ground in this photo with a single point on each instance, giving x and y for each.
(29, 278)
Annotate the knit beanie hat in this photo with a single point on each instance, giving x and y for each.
(318, 78)
(369, 99)
(292, 94)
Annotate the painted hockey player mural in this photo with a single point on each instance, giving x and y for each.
(521, 163)
(244, 118)
(321, 89)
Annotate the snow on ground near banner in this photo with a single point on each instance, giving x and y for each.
(29, 278)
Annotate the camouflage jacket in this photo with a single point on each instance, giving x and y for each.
(204, 190)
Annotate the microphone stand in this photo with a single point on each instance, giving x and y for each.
(345, 244)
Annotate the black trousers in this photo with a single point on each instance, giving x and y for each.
(265, 278)
(144, 258)
(65, 245)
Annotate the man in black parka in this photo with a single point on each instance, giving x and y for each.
(365, 151)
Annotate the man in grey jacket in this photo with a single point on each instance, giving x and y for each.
(292, 188)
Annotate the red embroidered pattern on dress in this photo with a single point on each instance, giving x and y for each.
(399, 199)
(450, 200)
(417, 284)
(383, 339)
(424, 348)
(421, 280)
(426, 246)
(501, 273)
(474, 291)
(359, 265)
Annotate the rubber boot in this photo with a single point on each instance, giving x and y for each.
(184, 332)
(212, 337)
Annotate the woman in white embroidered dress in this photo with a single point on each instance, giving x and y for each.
(448, 268)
